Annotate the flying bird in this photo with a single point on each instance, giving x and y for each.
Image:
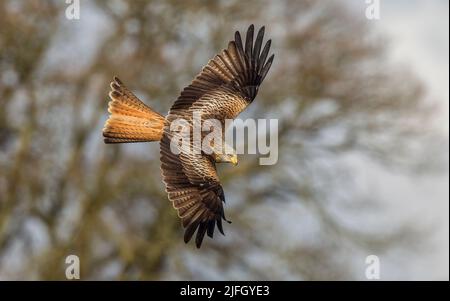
(224, 88)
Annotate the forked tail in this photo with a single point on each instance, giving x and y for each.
(130, 119)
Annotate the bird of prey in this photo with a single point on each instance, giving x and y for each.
(224, 88)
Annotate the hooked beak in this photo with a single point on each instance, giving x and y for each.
(234, 160)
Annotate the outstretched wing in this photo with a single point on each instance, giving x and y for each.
(224, 87)
(198, 202)
(230, 81)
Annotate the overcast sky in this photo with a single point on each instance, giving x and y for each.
(418, 31)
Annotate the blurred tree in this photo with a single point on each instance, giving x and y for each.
(62, 191)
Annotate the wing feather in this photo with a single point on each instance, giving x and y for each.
(198, 204)
(236, 68)
(224, 87)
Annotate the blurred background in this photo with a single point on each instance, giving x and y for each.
(363, 141)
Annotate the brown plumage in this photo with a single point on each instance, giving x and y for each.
(223, 89)
(130, 120)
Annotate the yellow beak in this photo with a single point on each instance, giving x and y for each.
(234, 160)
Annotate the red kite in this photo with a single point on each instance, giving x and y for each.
(223, 89)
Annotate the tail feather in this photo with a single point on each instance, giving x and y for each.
(130, 119)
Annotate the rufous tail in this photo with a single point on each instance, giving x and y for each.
(130, 120)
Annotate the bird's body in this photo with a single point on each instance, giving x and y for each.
(223, 89)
